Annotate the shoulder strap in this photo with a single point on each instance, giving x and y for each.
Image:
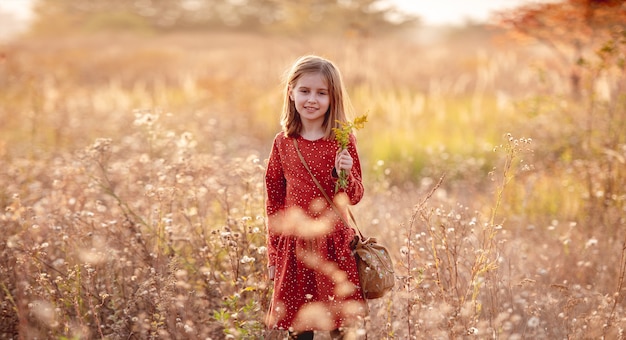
(319, 186)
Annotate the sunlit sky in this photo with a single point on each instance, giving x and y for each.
(442, 12)
(437, 12)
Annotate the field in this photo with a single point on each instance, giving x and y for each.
(132, 196)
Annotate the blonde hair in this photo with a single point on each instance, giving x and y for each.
(340, 108)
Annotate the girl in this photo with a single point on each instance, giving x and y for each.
(316, 284)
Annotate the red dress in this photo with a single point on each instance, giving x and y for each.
(316, 286)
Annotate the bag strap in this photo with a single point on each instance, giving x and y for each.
(319, 186)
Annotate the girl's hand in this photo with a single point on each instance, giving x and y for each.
(343, 161)
(272, 272)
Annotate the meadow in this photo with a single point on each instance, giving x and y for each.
(132, 196)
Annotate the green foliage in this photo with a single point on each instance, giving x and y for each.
(240, 319)
(284, 17)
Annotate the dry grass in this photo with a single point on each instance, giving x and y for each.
(132, 194)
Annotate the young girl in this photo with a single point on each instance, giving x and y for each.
(316, 284)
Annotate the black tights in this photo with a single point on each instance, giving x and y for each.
(308, 335)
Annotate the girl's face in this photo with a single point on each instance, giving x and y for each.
(311, 97)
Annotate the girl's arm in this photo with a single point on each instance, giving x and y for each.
(275, 185)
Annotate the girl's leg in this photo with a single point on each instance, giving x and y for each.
(307, 335)
(337, 334)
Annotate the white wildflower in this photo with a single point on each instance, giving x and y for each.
(247, 259)
(591, 242)
(533, 322)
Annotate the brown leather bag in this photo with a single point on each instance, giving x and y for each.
(375, 267)
(372, 259)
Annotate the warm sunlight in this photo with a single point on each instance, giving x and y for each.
(19, 8)
(168, 169)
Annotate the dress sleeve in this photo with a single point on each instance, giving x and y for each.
(276, 187)
(355, 184)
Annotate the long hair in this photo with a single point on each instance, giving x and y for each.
(339, 108)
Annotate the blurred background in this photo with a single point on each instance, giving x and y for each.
(138, 130)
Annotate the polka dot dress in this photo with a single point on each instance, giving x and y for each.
(316, 286)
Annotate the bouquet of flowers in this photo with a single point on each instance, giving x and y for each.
(342, 136)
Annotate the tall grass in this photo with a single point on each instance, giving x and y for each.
(132, 187)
